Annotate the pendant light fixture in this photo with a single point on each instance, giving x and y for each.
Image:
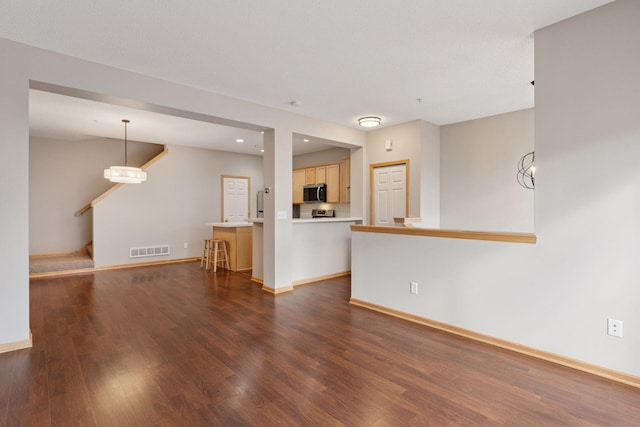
(125, 174)
(527, 171)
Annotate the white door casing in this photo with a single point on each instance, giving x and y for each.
(389, 193)
(235, 198)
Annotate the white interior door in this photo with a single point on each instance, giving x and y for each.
(389, 193)
(235, 202)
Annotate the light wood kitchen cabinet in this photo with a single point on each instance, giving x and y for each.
(345, 181)
(315, 175)
(299, 180)
(333, 183)
(321, 175)
(310, 176)
(331, 174)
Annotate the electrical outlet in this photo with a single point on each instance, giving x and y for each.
(186, 245)
(614, 327)
(414, 288)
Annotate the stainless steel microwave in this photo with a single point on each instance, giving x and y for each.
(315, 193)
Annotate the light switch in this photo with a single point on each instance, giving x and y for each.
(282, 214)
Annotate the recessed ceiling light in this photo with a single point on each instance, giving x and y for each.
(305, 140)
(369, 121)
(239, 140)
(262, 151)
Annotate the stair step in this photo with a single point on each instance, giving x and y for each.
(59, 263)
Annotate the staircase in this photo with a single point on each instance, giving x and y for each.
(82, 259)
(79, 260)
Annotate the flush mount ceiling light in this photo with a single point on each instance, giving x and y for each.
(239, 140)
(369, 121)
(527, 171)
(125, 174)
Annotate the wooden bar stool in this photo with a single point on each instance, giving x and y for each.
(206, 254)
(218, 249)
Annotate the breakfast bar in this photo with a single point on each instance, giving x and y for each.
(239, 238)
(321, 248)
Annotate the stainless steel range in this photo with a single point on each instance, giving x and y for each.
(323, 213)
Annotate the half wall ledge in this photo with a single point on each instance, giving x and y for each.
(450, 234)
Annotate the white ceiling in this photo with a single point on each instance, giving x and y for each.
(436, 60)
(69, 118)
(50, 116)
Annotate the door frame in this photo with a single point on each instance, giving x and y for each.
(372, 168)
(248, 178)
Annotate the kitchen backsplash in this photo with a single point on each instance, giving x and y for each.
(341, 210)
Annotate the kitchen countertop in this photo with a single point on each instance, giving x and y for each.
(228, 224)
(335, 219)
(312, 220)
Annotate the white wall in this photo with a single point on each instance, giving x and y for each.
(321, 249)
(556, 295)
(181, 194)
(22, 64)
(278, 207)
(479, 160)
(430, 175)
(63, 177)
(587, 131)
(330, 155)
(482, 286)
(359, 193)
(14, 193)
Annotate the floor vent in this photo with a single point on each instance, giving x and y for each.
(149, 251)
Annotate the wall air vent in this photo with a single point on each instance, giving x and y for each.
(149, 251)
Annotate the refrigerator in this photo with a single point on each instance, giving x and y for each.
(259, 204)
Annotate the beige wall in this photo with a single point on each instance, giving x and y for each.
(181, 194)
(63, 177)
(479, 160)
(331, 155)
(406, 145)
(430, 175)
(555, 295)
(417, 141)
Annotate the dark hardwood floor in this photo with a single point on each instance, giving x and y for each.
(174, 345)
